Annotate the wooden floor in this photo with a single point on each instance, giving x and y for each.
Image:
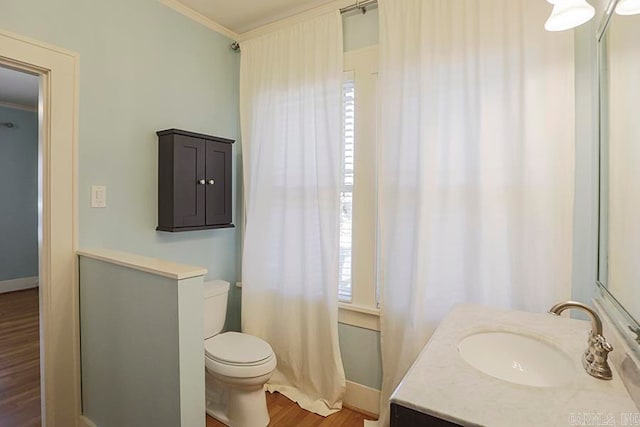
(286, 413)
(19, 359)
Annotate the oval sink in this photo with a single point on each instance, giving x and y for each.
(517, 359)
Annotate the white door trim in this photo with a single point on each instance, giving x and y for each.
(57, 170)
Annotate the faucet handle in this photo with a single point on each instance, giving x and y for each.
(635, 331)
(601, 344)
(594, 360)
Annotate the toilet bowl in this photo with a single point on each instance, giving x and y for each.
(237, 366)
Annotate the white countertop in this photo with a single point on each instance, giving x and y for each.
(442, 384)
(155, 266)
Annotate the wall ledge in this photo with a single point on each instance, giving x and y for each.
(155, 266)
(360, 316)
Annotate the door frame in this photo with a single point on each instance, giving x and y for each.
(57, 220)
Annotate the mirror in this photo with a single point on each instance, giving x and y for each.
(619, 236)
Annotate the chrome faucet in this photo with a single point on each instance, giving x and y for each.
(594, 359)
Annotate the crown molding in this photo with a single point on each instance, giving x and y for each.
(199, 18)
(262, 30)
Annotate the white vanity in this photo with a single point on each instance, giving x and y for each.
(504, 351)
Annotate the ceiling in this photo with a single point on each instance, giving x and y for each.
(18, 88)
(241, 16)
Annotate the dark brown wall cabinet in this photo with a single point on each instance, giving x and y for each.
(194, 181)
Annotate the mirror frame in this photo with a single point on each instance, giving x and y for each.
(623, 320)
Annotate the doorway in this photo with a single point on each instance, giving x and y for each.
(19, 249)
(57, 73)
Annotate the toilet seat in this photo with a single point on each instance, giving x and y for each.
(237, 348)
(237, 355)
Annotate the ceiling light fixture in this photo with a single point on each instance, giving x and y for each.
(567, 14)
(628, 7)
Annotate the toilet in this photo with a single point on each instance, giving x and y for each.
(236, 366)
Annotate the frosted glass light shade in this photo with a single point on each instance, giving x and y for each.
(567, 14)
(628, 7)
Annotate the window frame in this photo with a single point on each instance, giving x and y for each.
(363, 310)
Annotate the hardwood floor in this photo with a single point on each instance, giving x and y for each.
(286, 413)
(19, 359)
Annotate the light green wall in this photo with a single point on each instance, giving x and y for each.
(143, 68)
(360, 30)
(19, 192)
(360, 350)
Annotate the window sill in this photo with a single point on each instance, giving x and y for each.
(360, 316)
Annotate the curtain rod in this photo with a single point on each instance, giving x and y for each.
(359, 5)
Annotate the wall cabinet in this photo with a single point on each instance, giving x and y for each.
(194, 181)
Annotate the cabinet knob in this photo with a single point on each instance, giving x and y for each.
(201, 181)
(211, 182)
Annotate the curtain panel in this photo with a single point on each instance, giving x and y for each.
(476, 166)
(290, 102)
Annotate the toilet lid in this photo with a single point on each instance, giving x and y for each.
(237, 348)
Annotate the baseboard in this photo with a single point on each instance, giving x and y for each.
(86, 422)
(18, 284)
(362, 398)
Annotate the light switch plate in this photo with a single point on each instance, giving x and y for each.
(98, 196)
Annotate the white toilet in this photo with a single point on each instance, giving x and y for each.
(237, 366)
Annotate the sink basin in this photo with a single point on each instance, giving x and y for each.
(517, 358)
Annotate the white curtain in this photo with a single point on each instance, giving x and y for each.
(476, 165)
(290, 101)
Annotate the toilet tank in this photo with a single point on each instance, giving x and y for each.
(215, 306)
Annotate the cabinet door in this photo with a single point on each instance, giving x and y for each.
(189, 185)
(218, 198)
(406, 417)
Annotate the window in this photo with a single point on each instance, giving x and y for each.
(346, 194)
(357, 291)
